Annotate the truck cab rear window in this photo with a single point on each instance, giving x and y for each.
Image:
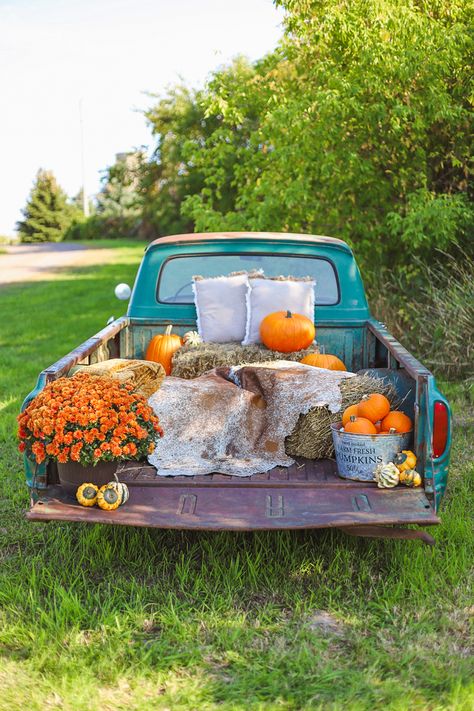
(175, 279)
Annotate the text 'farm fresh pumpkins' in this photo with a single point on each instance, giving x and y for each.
(162, 348)
(287, 332)
(321, 360)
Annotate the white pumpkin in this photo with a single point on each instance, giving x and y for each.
(192, 338)
(387, 475)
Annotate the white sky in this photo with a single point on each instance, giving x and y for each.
(107, 52)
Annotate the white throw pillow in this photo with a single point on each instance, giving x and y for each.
(281, 294)
(221, 305)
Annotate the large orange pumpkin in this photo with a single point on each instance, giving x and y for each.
(323, 360)
(397, 421)
(287, 332)
(348, 413)
(162, 348)
(374, 407)
(359, 425)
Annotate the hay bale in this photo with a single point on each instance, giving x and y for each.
(192, 361)
(145, 376)
(312, 437)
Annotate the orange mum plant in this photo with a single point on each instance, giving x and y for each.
(87, 419)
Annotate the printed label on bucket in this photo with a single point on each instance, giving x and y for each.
(358, 455)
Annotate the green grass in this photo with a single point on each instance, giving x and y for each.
(120, 618)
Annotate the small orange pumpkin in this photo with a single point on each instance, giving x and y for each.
(322, 360)
(287, 332)
(162, 348)
(360, 425)
(397, 421)
(373, 407)
(348, 412)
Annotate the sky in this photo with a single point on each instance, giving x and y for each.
(104, 54)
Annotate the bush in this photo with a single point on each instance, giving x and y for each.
(101, 227)
(433, 315)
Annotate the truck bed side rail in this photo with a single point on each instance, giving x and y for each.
(102, 346)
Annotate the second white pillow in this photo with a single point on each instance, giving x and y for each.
(268, 295)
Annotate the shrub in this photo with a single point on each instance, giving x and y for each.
(434, 314)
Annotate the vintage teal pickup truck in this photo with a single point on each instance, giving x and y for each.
(308, 494)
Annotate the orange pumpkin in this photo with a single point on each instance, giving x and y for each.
(348, 413)
(287, 332)
(397, 421)
(373, 407)
(322, 360)
(378, 426)
(162, 348)
(360, 425)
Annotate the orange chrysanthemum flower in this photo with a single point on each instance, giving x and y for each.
(87, 418)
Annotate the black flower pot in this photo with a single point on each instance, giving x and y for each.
(73, 474)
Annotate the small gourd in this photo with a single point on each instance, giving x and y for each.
(410, 477)
(386, 475)
(404, 460)
(359, 425)
(87, 494)
(192, 338)
(112, 495)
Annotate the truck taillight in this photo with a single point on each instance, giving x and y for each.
(440, 428)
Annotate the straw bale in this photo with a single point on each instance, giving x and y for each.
(193, 361)
(312, 437)
(145, 376)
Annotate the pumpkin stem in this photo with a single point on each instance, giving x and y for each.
(392, 430)
(168, 329)
(288, 314)
(353, 418)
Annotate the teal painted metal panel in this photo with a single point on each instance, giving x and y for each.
(352, 306)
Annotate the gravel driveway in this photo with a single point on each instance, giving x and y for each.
(41, 262)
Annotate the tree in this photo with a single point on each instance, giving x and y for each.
(180, 127)
(47, 214)
(360, 125)
(120, 194)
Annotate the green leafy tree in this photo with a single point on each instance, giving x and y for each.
(360, 125)
(47, 214)
(180, 128)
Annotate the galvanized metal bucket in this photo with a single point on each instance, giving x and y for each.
(357, 455)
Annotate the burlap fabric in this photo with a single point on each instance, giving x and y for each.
(235, 420)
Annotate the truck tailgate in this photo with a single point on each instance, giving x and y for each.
(308, 494)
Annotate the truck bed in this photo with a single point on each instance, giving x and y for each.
(309, 494)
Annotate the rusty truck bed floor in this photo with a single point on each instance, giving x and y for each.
(308, 494)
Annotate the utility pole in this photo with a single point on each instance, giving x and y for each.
(85, 201)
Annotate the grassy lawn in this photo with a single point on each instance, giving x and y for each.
(120, 618)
